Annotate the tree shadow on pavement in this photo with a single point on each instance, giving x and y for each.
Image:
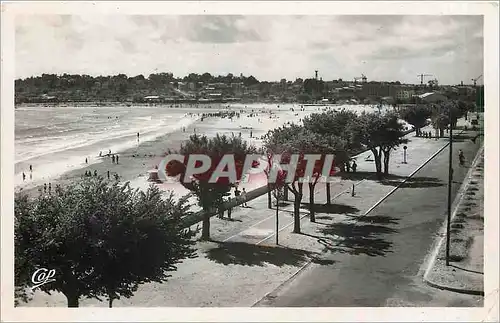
(239, 253)
(379, 219)
(414, 182)
(332, 208)
(357, 176)
(356, 239)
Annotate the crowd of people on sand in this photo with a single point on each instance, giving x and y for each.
(46, 188)
(115, 159)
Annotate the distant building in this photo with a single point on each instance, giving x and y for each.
(432, 97)
(152, 98)
(405, 94)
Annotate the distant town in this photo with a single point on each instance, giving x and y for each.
(161, 88)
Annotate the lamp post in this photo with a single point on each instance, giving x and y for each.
(450, 178)
(278, 195)
(404, 154)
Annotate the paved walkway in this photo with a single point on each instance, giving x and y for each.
(375, 260)
(465, 274)
(245, 264)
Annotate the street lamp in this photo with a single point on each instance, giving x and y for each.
(278, 195)
(450, 178)
(404, 154)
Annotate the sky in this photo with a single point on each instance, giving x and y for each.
(384, 48)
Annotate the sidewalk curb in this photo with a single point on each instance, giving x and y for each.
(274, 292)
(431, 258)
(407, 178)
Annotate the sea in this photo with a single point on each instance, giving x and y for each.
(58, 139)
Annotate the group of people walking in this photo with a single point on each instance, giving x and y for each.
(426, 134)
(108, 173)
(349, 166)
(239, 196)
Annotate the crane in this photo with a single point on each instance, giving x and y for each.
(422, 78)
(477, 78)
(362, 78)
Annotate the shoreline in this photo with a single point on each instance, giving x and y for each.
(134, 163)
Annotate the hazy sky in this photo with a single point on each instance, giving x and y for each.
(268, 47)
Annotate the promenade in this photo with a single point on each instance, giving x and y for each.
(243, 266)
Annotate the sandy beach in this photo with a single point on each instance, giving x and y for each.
(144, 155)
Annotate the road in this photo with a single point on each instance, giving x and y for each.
(402, 230)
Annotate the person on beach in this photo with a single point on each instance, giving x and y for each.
(24, 176)
(243, 197)
(109, 153)
(137, 136)
(31, 168)
(117, 159)
(86, 161)
(50, 188)
(100, 154)
(95, 173)
(108, 174)
(354, 166)
(45, 187)
(113, 159)
(251, 134)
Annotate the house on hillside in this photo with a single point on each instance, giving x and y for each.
(152, 99)
(432, 97)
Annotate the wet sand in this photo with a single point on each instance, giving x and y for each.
(135, 163)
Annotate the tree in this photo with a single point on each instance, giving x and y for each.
(297, 140)
(444, 115)
(102, 239)
(380, 133)
(211, 195)
(416, 116)
(336, 130)
(304, 98)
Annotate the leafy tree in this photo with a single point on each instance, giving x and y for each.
(297, 140)
(102, 239)
(211, 195)
(416, 116)
(304, 98)
(314, 87)
(444, 115)
(380, 133)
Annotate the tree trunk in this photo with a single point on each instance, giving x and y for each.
(378, 163)
(269, 199)
(328, 193)
(72, 299)
(387, 155)
(110, 302)
(296, 214)
(285, 193)
(205, 227)
(296, 209)
(312, 215)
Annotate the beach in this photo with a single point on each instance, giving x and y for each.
(57, 141)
